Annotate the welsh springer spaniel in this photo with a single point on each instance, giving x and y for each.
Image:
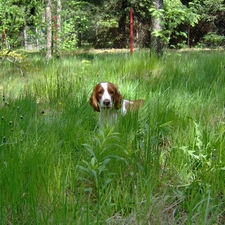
(107, 100)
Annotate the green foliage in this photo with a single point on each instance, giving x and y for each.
(174, 14)
(77, 20)
(177, 18)
(208, 9)
(141, 9)
(213, 40)
(14, 15)
(69, 36)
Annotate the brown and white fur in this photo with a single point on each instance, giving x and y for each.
(107, 100)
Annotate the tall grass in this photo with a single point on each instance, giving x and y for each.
(163, 164)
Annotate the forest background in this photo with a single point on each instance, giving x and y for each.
(59, 26)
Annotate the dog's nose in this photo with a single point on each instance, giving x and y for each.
(106, 102)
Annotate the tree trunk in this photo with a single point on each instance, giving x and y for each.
(48, 20)
(59, 8)
(156, 42)
(25, 37)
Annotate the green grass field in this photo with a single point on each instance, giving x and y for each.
(164, 164)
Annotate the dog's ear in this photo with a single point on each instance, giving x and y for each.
(118, 99)
(93, 102)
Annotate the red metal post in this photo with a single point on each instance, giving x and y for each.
(4, 35)
(131, 32)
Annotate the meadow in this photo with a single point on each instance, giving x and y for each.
(161, 165)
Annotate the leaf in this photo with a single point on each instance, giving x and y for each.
(89, 148)
(103, 165)
(84, 169)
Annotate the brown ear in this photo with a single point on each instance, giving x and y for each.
(118, 99)
(94, 103)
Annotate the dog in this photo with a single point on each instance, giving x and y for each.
(107, 100)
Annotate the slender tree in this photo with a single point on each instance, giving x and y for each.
(58, 41)
(156, 42)
(48, 19)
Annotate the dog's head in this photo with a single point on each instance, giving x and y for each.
(105, 96)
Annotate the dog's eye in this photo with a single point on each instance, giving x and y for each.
(111, 92)
(100, 92)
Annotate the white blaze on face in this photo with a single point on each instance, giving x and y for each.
(106, 96)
